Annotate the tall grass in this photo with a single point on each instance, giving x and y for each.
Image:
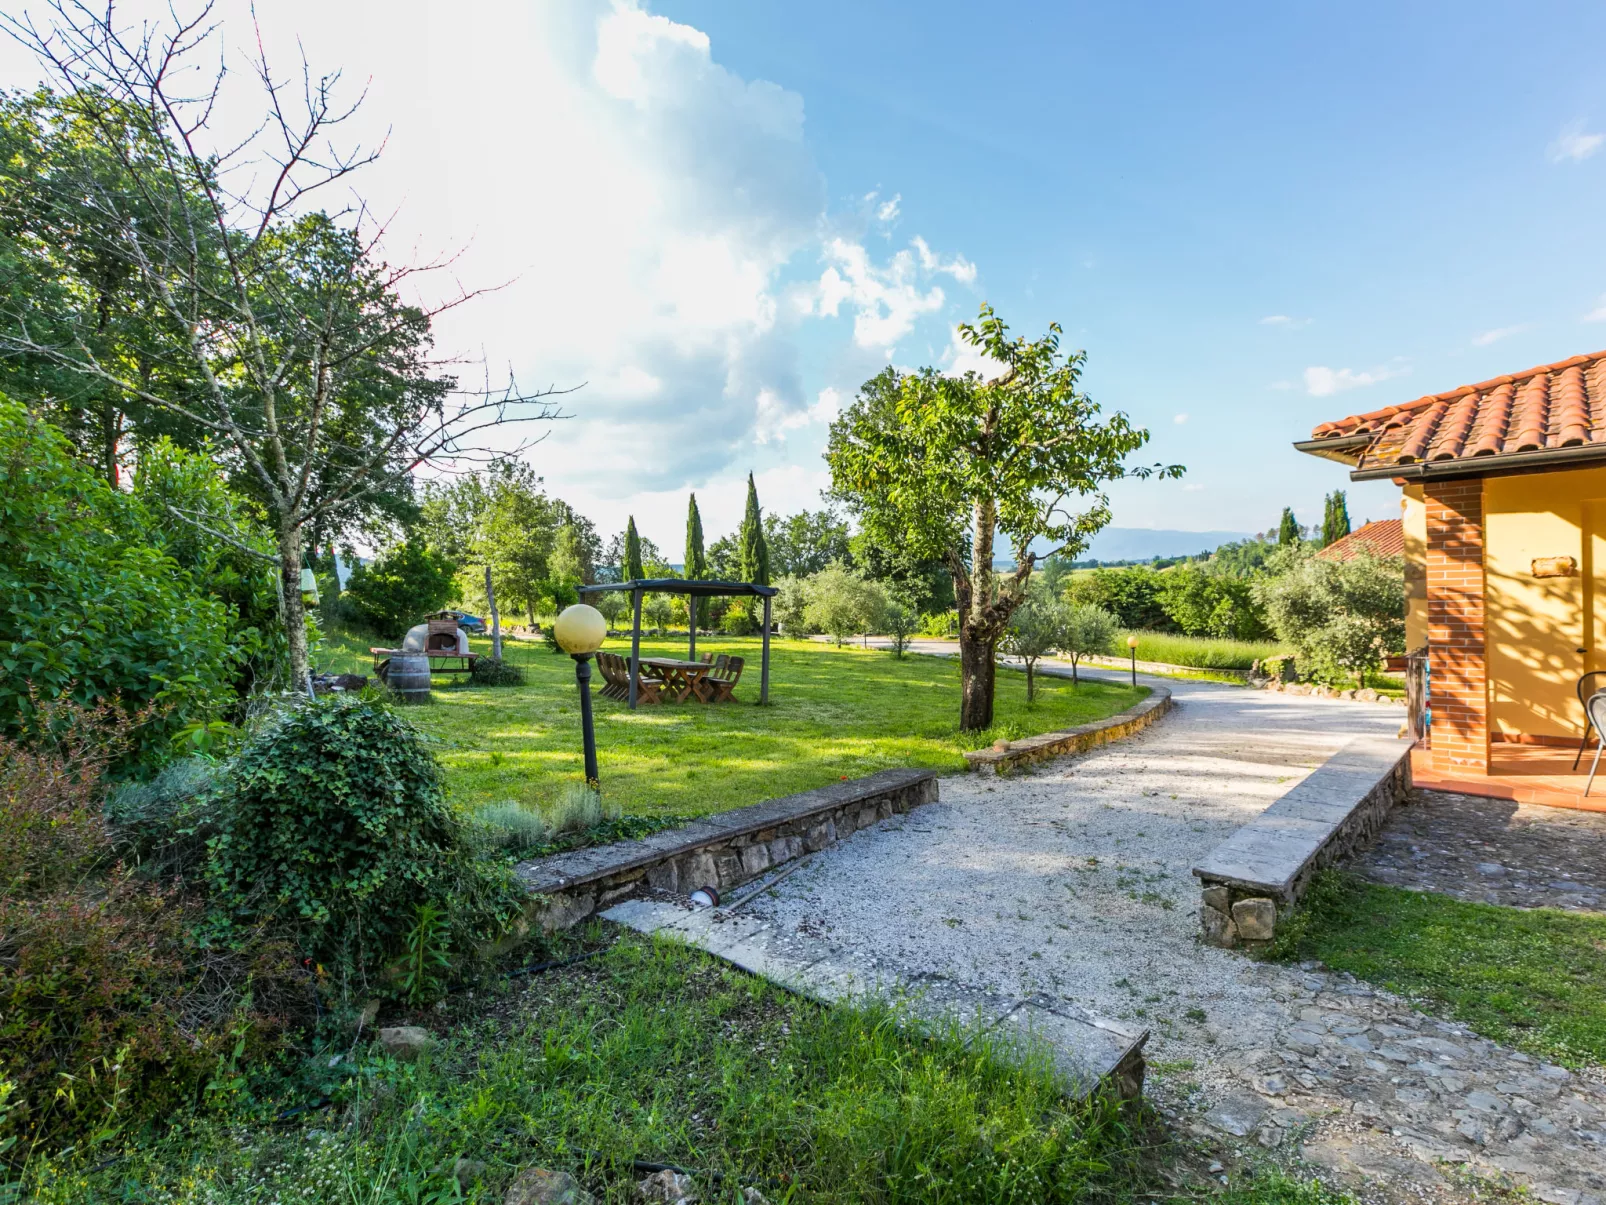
(1200, 652)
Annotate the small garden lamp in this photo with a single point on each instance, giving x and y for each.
(580, 631)
(1132, 644)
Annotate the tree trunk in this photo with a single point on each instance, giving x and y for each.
(496, 620)
(295, 614)
(1031, 681)
(976, 669)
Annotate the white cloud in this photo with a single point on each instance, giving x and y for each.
(887, 211)
(961, 357)
(1180, 419)
(887, 299)
(1324, 382)
(1598, 314)
(1285, 321)
(1498, 333)
(1575, 145)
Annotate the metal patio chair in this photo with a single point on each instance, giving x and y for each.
(1587, 685)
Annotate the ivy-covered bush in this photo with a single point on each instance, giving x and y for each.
(490, 671)
(333, 825)
(88, 608)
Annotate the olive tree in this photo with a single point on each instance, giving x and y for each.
(943, 466)
(1338, 615)
(842, 602)
(1088, 631)
(1036, 629)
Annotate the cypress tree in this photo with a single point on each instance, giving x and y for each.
(1288, 530)
(696, 561)
(1335, 523)
(755, 552)
(632, 566)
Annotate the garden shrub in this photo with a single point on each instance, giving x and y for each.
(1131, 594)
(89, 610)
(163, 824)
(333, 823)
(1202, 602)
(110, 1013)
(1341, 617)
(492, 671)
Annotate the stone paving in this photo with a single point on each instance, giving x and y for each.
(1493, 851)
(1073, 883)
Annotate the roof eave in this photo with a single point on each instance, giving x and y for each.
(1343, 449)
(1484, 466)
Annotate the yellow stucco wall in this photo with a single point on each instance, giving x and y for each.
(1414, 524)
(1535, 626)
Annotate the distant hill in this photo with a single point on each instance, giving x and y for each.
(1146, 543)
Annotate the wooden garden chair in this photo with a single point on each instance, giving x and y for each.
(723, 678)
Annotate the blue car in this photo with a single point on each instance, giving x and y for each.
(472, 624)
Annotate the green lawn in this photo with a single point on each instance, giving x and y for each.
(1535, 979)
(834, 714)
(651, 1052)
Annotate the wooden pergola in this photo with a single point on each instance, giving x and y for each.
(693, 591)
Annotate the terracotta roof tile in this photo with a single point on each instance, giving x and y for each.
(1561, 405)
(1384, 538)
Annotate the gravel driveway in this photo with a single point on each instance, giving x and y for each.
(1075, 882)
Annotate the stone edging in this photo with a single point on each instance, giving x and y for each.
(1317, 691)
(1080, 739)
(723, 850)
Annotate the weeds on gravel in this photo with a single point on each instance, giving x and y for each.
(1532, 978)
(657, 1053)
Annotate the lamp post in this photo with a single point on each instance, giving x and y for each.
(1132, 644)
(580, 631)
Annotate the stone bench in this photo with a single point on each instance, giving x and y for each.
(1255, 876)
(721, 851)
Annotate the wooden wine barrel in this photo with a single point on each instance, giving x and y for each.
(408, 677)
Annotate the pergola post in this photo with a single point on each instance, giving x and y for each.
(635, 644)
(764, 664)
(691, 643)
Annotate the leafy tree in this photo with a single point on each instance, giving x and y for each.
(612, 605)
(90, 608)
(1204, 603)
(1088, 632)
(398, 589)
(1288, 529)
(1036, 629)
(901, 622)
(790, 606)
(1242, 558)
(295, 349)
(945, 465)
(1338, 615)
(631, 565)
(843, 602)
(696, 561)
(755, 551)
(1335, 518)
(1132, 594)
(805, 543)
(576, 547)
(922, 582)
(725, 559)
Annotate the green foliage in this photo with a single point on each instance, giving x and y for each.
(1204, 603)
(940, 625)
(1088, 631)
(514, 827)
(901, 622)
(406, 582)
(1132, 595)
(1534, 978)
(631, 566)
(696, 560)
(112, 1015)
(843, 602)
(1200, 652)
(88, 607)
(1036, 628)
(738, 621)
(162, 825)
(803, 544)
(1339, 616)
(1287, 528)
(1335, 518)
(791, 605)
(491, 671)
(426, 960)
(755, 552)
(1242, 558)
(333, 825)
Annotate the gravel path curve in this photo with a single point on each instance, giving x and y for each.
(1075, 881)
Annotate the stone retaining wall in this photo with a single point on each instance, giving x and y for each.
(1253, 879)
(721, 851)
(1007, 756)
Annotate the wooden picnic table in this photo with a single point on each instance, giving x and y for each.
(682, 679)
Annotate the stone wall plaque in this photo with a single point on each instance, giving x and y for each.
(1554, 566)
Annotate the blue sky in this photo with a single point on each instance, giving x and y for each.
(723, 217)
